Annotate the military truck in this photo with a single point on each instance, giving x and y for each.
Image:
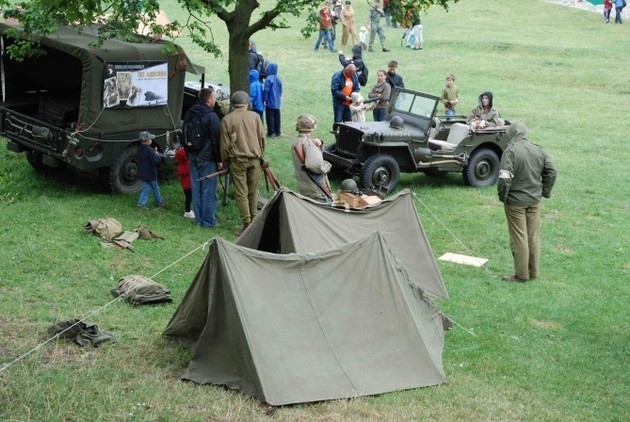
(83, 106)
(414, 139)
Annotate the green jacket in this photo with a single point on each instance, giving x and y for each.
(526, 173)
(449, 93)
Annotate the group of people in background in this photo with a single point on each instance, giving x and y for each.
(619, 6)
(237, 141)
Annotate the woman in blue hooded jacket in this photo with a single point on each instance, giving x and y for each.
(272, 96)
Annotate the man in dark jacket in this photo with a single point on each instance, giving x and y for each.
(526, 174)
(206, 160)
(356, 60)
(342, 85)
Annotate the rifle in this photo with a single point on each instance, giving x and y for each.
(215, 174)
(269, 176)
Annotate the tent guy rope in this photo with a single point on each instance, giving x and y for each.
(39, 346)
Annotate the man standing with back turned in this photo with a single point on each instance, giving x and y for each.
(206, 160)
(243, 145)
(526, 175)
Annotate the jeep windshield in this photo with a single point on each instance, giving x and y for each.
(414, 107)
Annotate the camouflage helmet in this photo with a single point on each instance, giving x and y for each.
(397, 123)
(305, 123)
(239, 99)
(348, 185)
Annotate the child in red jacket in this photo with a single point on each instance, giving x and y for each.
(183, 170)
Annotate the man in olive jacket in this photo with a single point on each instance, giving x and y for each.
(242, 146)
(526, 175)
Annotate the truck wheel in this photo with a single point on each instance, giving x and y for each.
(123, 175)
(35, 159)
(380, 170)
(482, 169)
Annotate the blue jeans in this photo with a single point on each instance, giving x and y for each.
(151, 185)
(204, 193)
(341, 112)
(379, 114)
(323, 33)
(618, 14)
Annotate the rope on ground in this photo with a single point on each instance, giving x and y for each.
(39, 346)
(468, 251)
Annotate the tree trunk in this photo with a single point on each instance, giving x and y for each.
(238, 66)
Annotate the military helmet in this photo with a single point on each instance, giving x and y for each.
(348, 185)
(239, 99)
(305, 123)
(397, 123)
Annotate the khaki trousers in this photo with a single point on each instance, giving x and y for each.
(524, 228)
(245, 174)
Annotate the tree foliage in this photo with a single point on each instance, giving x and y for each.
(121, 18)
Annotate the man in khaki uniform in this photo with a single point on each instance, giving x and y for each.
(242, 146)
(349, 27)
(526, 175)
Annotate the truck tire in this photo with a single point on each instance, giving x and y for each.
(123, 175)
(380, 170)
(35, 159)
(482, 169)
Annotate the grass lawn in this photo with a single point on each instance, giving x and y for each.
(553, 349)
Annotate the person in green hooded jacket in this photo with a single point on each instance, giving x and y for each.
(526, 175)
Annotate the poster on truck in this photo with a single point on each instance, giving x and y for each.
(135, 84)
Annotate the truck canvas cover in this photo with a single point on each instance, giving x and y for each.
(60, 77)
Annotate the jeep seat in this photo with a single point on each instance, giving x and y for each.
(457, 133)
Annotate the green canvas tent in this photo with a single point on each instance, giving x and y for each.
(294, 328)
(293, 223)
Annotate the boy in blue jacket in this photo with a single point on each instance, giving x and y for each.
(272, 96)
(256, 93)
(147, 161)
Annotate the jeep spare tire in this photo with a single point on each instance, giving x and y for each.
(123, 175)
(380, 170)
(482, 169)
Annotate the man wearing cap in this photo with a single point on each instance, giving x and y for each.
(309, 165)
(147, 161)
(526, 175)
(348, 24)
(242, 146)
(342, 85)
(376, 13)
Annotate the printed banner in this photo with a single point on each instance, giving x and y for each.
(135, 84)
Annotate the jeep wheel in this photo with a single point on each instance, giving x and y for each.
(123, 175)
(482, 169)
(380, 170)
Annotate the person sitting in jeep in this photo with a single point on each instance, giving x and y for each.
(484, 115)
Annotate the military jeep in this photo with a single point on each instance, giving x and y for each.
(414, 139)
(83, 106)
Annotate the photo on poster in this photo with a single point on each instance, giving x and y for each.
(135, 84)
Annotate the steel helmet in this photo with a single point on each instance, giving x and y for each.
(397, 123)
(239, 99)
(305, 123)
(348, 185)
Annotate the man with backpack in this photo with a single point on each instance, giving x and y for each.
(201, 139)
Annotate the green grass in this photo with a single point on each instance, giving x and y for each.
(554, 349)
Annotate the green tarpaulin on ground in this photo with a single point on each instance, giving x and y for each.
(294, 328)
